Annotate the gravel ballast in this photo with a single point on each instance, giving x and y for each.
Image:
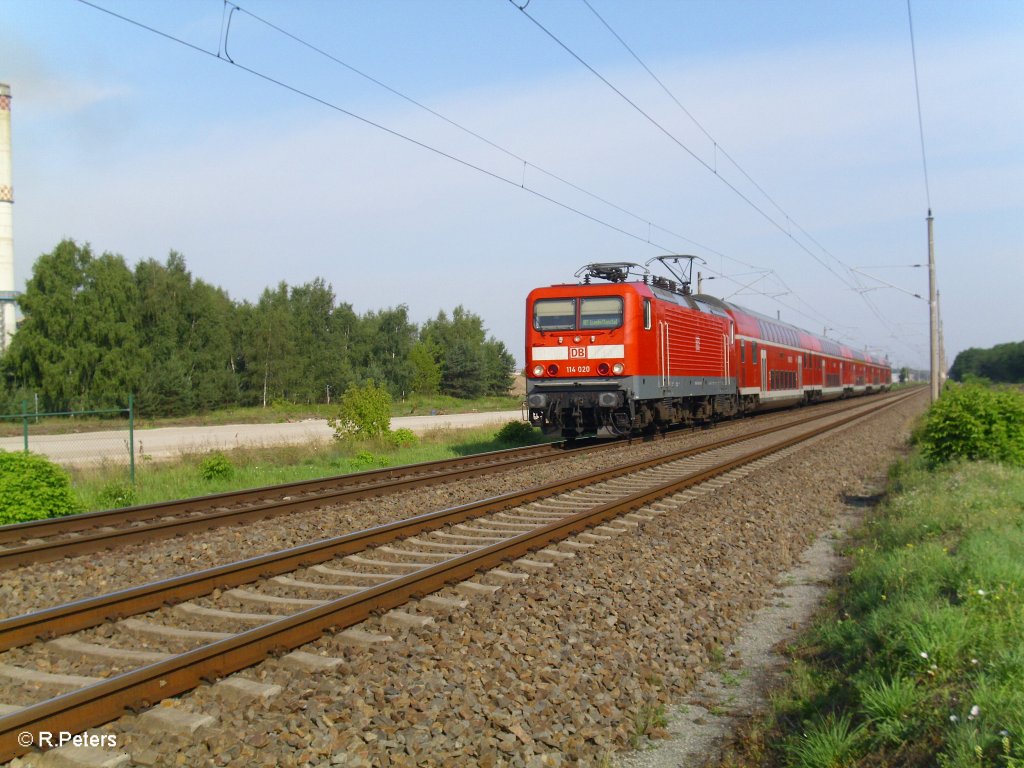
(559, 669)
(46, 584)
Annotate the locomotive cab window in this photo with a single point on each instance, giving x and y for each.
(554, 314)
(600, 312)
(647, 314)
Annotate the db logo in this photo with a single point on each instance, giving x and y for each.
(577, 352)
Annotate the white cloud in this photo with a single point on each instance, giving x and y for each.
(43, 92)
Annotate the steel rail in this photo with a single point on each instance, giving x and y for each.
(85, 521)
(164, 520)
(104, 701)
(89, 612)
(328, 490)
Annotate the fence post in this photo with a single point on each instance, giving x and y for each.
(24, 422)
(131, 436)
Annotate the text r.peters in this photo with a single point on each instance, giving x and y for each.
(47, 740)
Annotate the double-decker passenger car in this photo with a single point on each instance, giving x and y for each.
(632, 355)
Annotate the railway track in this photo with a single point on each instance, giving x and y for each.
(51, 539)
(369, 572)
(47, 540)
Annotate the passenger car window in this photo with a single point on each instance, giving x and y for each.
(554, 314)
(600, 312)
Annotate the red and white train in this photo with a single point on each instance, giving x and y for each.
(641, 354)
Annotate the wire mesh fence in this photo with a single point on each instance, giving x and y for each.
(62, 438)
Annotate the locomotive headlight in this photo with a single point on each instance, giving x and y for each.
(603, 369)
(618, 368)
(552, 370)
(538, 370)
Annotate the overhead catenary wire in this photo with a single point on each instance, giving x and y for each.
(505, 150)
(920, 118)
(854, 273)
(393, 132)
(526, 163)
(854, 282)
(719, 149)
(469, 131)
(672, 137)
(668, 92)
(222, 55)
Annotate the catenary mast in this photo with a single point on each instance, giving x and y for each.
(7, 293)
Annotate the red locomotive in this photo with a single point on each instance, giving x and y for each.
(641, 352)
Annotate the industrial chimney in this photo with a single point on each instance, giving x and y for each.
(7, 293)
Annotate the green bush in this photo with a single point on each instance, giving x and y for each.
(365, 412)
(216, 466)
(402, 438)
(32, 488)
(366, 460)
(517, 433)
(974, 422)
(116, 495)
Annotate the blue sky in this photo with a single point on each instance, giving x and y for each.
(139, 145)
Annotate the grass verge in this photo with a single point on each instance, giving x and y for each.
(919, 660)
(199, 474)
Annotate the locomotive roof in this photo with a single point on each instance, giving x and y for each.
(828, 346)
(712, 305)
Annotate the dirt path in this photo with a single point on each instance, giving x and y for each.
(725, 699)
(167, 442)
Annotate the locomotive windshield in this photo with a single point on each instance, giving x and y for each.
(554, 314)
(596, 313)
(600, 312)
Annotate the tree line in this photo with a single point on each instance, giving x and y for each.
(95, 330)
(1003, 363)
